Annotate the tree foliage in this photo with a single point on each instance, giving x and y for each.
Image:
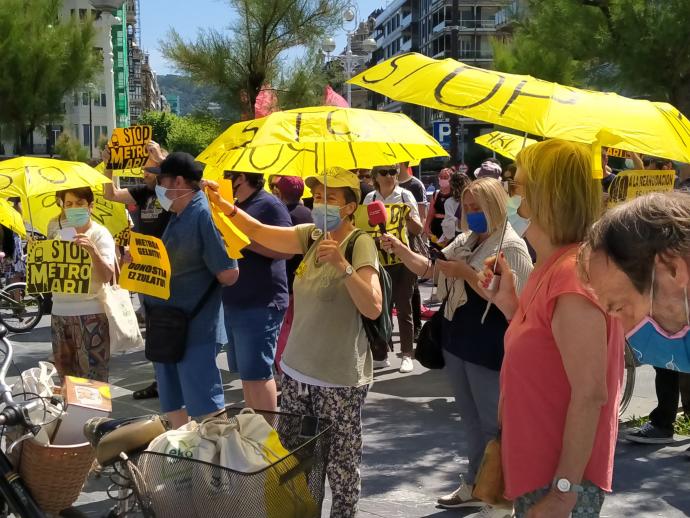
(303, 82)
(68, 147)
(190, 133)
(636, 47)
(42, 59)
(239, 62)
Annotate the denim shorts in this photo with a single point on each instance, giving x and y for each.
(252, 336)
(193, 383)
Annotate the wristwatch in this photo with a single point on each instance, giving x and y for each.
(349, 270)
(563, 485)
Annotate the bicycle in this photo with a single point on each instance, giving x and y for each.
(19, 311)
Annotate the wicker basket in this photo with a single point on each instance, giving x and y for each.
(55, 475)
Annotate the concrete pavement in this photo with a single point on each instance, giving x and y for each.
(412, 442)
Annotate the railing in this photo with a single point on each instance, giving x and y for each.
(475, 54)
(508, 14)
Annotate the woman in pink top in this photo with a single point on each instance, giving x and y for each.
(563, 364)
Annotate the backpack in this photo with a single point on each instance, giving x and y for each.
(380, 330)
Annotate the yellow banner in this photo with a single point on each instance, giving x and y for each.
(629, 185)
(128, 147)
(57, 267)
(149, 271)
(396, 225)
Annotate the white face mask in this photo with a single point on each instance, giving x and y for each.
(166, 202)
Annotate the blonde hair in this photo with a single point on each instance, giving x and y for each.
(563, 197)
(491, 198)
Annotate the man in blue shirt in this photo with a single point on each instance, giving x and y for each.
(255, 306)
(198, 260)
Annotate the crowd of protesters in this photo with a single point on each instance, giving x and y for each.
(536, 291)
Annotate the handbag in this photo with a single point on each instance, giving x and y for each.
(429, 350)
(489, 484)
(122, 321)
(166, 330)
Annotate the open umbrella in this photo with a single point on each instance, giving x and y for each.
(31, 177)
(506, 144)
(11, 219)
(534, 106)
(306, 141)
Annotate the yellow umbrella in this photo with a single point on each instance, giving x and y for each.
(533, 106)
(505, 144)
(34, 179)
(306, 141)
(11, 219)
(30, 176)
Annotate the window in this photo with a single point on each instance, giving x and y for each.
(76, 131)
(85, 98)
(102, 99)
(104, 132)
(82, 14)
(87, 135)
(96, 133)
(76, 99)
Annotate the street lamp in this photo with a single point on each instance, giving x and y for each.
(350, 60)
(90, 87)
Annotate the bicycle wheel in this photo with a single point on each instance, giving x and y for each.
(19, 311)
(629, 380)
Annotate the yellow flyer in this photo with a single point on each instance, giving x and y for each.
(128, 147)
(149, 271)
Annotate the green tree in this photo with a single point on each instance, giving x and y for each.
(637, 47)
(68, 147)
(302, 83)
(161, 123)
(42, 59)
(192, 134)
(240, 62)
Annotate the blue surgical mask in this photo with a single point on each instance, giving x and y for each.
(519, 224)
(653, 345)
(476, 221)
(328, 216)
(78, 216)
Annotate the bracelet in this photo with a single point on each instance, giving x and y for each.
(234, 211)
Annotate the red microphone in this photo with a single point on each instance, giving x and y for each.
(376, 211)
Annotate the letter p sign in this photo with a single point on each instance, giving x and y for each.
(442, 133)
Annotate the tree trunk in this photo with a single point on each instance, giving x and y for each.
(26, 142)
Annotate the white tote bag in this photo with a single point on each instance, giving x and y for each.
(122, 321)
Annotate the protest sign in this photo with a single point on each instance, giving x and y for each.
(396, 225)
(616, 153)
(149, 271)
(128, 147)
(57, 267)
(629, 185)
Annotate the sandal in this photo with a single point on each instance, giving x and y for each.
(149, 392)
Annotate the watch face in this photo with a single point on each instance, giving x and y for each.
(563, 485)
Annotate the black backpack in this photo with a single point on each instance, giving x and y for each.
(380, 330)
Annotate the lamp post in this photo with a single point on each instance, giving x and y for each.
(90, 87)
(107, 20)
(350, 60)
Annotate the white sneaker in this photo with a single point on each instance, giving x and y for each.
(489, 511)
(406, 365)
(381, 364)
(461, 497)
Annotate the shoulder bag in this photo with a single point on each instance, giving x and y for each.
(167, 327)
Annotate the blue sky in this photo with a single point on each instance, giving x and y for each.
(187, 17)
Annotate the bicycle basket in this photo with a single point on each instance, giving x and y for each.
(293, 487)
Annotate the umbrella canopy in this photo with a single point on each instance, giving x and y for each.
(306, 141)
(31, 176)
(534, 106)
(506, 144)
(11, 219)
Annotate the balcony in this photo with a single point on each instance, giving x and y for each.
(507, 17)
(475, 55)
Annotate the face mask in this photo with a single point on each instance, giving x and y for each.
(519, 224)
(653, 345)
(476, 221)
(166, 202)
(444, 184)
(326, 216)
(78, 217)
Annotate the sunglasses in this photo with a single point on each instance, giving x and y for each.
(386, 172)
(364, 176)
